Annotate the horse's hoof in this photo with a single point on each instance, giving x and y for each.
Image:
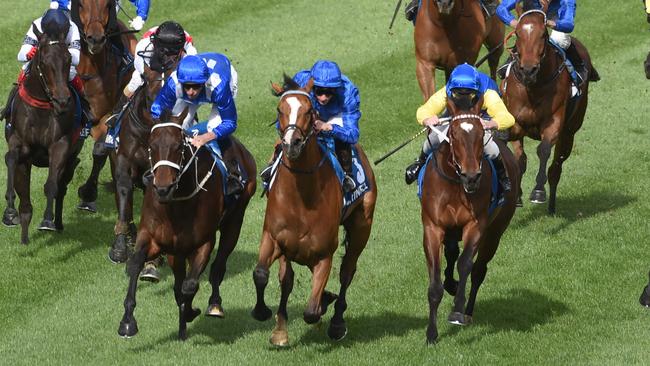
(215, 310)
(311, 318)
(118, 253)
(336, 332)
(538, 196)
(456, 318)
(128, 330)
(645, 298)
(279, 338)
(88, 206)
(432, 335)
(326, 300)
(150, 273)
(451, 286)
(519, 203)
(47, 225)
(58, 226)
(262, 313)
(10, 218)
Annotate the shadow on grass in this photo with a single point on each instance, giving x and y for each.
(574, 208)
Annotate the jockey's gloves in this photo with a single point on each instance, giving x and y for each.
(54, 5)
(137, 23)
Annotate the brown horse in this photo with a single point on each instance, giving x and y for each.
(450, 32)
(132, 160)
(302, 218)
(41, 132)
(182, 210)
(538, 94)
(103, 72)
(455, 201)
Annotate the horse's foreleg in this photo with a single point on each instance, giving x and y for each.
(58, 152)
(471, 236)
(562, 152)
(124, 200)
(451, 256)
(426, 75)
(189, 285)
(21, 179)
(66, 177)
(269, 252)
(280, 335)
(320, 275)
(522, 161)
(489, 246)
(10, 215)
(128, 325)
(538, 195)
(432, 240)
(88, 192)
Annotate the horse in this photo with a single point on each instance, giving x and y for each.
(131, 160)
(450, 32)
(303, 214)
(100, 67)
(646, 66)
(41, 132)
(455, 205)
(538, 94)
(183, 208)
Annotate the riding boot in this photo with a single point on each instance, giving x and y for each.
(344, 154)
(78, 86)
(234, 181)
(411, 10)
(6, 111)
(265, 174)
(502, 174)
(413, 170)
(577, 62)
(119, 107)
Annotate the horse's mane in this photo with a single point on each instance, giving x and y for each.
(531, 5)
(287, 84)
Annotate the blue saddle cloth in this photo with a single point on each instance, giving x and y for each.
(497, 197)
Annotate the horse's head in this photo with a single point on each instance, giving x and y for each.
(531, 44)
(167, 145)
(466, 137)
(296, 116)
(52, 66)
(445, 6)
(95, 18)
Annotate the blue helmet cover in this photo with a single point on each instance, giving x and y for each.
(463, 76)
(326, 74)
(192, 69)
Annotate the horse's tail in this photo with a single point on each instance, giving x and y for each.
(593, 74)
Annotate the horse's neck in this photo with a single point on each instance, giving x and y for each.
(33, 84)
(443, 159)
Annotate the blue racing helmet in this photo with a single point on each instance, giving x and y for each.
(326, 74)
(55, 22)
(192, 69)
(464, 76)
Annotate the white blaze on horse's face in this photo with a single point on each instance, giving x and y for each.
(295, 105)
(467, 127)
(528, 28)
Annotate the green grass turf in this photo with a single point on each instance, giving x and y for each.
(560, 290)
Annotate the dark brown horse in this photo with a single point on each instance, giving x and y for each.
(450, 32)
(303, 214)
(132, 160)
(102, 70)
(182, 210)
(538, 93)
(42, 133)
(455, 204)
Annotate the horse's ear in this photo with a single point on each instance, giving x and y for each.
(309, 85)
(276, 89)
(38, 33)
(182, 116)
(544, 4)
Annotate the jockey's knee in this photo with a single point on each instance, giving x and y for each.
(562, 39)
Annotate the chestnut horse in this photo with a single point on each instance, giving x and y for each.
(538, 94)
(303, 214)
(450, 32)
(455, 204)
(41, 132)
(103, 72)
(132, 160)
(182, 210)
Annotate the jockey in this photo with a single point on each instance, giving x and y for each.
(465, 79)
(159, 48)
(411, 9)
(336, 99)
(647, 9)
(52, 22)
(141, 6)
(206, 78)
(561, 19)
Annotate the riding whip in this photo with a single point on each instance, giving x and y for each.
(406, 142)
(399, 2)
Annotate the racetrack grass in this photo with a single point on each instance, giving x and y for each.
(560, 290)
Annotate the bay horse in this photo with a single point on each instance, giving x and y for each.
(101, 69)
(41, 132)
(132, 159)
(303, 214)
(450, 32)
(183, 208)
(538, 94)
(455, 204)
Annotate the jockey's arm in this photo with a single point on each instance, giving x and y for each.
(223, 119)
(345, 126)
(165, 99)
(73, 39)
(142, 8)
(29, 42)
(497, 110)
(433, 107)
(504, 9)
(566, 16)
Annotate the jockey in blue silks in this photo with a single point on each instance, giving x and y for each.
(561, 19)
(206, 78)
(141, 6)
(336, 99)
